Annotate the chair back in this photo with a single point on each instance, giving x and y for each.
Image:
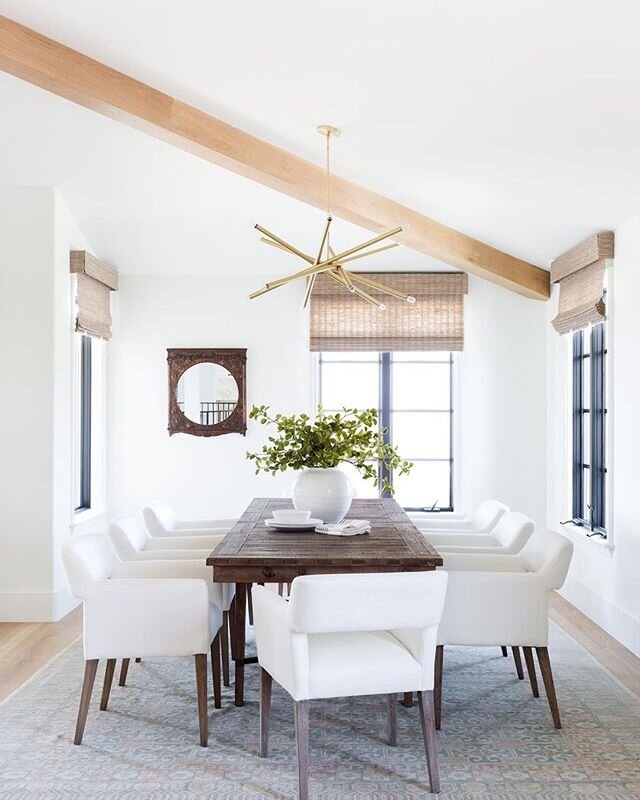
(160, 518)
(487, 514)
(512, 529)
(87, 558)
(548, 553)
(128, 536)
(367, 602)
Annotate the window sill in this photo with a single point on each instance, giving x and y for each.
(597, 543)
(87, 520)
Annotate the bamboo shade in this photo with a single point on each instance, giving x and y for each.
(96, 281)
(580, 273)
(341, 321)
(581, 300)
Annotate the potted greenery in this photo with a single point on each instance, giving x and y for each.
(317, 446)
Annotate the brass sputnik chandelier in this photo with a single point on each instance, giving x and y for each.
(328, 262)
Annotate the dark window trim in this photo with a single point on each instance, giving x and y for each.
(85, 424)
(596, 415)
(385, 411)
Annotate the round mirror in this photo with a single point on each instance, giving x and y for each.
(207, 393)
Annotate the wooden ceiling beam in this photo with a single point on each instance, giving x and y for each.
(59, 69)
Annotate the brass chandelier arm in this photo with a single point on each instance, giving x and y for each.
(312, 279)
(308, 259)
(380, 287)
(282, 242)
(370, 253)
(345, 277)
(307, 295)
(360, 292)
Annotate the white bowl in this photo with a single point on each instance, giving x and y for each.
(291, 515)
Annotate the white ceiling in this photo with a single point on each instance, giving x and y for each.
(516, 122)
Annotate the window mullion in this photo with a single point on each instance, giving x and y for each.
(385, 415)
(578, 460)
(597, 426)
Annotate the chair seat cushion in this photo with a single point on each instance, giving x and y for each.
(348, 664)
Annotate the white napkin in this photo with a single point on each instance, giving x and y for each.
(348, 527)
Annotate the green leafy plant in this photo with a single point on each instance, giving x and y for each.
(348, 436)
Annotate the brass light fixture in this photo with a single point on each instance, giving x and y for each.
(328, 262)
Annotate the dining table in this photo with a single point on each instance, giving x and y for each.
(253, 553)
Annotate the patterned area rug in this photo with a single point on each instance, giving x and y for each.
(497, 741)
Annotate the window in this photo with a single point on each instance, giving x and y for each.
(413, 395)
(589, 429)
(88, 428)
(83, 482)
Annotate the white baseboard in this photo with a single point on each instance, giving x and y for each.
(610, 617)
(31, 606)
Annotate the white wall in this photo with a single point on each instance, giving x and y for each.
(500, 419)
(36, 328)
(200, 476)
(603, 580)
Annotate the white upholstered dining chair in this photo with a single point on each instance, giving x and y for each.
(504, 599)
(132, 543)
(161, 608)
(484, 519)
(347, 635)
(162, 520)
(508, 537)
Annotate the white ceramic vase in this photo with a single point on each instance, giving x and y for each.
(326, 493)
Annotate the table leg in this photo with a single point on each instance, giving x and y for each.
(239, 639)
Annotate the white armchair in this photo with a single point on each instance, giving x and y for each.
(508, 537)
(493, 600)
(150, 608)
(162, 520)
(132, 543)
(346, 635)
(483, 520)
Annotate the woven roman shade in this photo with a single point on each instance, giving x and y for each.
(341, 321)
(580, 273)
(96, 281)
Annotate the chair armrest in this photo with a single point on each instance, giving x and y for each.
(207, 543)
(495, 608)
(206, 524)
(219, 594)
(482, 562)
(283, 654)
(152, 617)
(460, 539)
(168, 555)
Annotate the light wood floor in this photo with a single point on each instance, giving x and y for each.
(27, 647)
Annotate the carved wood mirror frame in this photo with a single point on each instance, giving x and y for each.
(232, 359)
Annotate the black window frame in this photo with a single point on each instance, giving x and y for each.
(84, 464)
(596, 467)
(385, 414)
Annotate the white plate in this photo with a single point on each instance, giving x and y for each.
(310, 524)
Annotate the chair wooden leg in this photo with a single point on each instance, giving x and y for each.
(265, 711)
(301, 715)
(215, 671)
(108, 680)
(428, 720)
(224, 646)
(531, 669)
(437, 685)
(407, 699)
(201, 686)
(505, 652)
(392, 717)
(550, 689)
(518, 662)
(90, 668)
(289, 585)
(124, 669)
(280, 588)
(250, 603)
